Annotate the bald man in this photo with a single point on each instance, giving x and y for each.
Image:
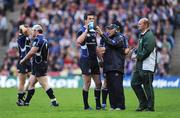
(145, 67)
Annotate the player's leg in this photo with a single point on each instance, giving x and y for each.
(97, 91)
(49, 91)
(27, 86)
(21, 92)
(97, 80)
(86, 76)
(31, 89)
(85, 91)
(104, 94)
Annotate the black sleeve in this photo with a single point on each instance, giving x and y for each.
(115, 43)
(101, 43)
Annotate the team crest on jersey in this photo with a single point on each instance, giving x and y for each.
(93, 34)
(34, 43)
(89, 70)
(116, 74)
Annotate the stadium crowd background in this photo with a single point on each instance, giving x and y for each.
(63, 18)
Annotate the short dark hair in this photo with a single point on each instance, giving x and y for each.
(90, 13)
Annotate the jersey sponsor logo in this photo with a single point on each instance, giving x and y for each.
(91, 35)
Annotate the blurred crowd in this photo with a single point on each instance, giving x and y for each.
(62, 19)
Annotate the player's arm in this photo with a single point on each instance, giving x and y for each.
(126, 51)
(29, 54)
(117, 42)
(81, 36)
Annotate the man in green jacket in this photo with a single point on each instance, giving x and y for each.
(145, 67)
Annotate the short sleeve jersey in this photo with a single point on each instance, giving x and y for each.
(42, 54)
(88, 47)
(24, 45)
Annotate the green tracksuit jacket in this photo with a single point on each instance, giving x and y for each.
(146, 52)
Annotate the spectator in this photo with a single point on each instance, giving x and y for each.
(62, 19)
(3, 28)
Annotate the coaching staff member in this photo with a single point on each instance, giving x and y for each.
(113, 65)
(88, 61)
(145, 67)
(101, 51)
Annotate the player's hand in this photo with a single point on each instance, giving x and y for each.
(134, 54)
(101, 64)
(22, 62)
(98, 30)
(100, 51)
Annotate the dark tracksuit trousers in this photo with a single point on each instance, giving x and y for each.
(145, 93)
(116, 90)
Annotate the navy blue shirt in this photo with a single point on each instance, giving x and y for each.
(114, 56)
(24, 45)
(42, 54)
(88, 47)
(125, 40)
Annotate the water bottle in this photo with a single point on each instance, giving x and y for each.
(91, 27)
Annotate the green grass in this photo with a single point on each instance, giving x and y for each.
(167, 105)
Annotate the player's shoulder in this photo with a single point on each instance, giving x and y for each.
(121, 35)
(21, 36)
(36, 39)
(81, 30)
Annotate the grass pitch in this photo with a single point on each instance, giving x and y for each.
(167, 105)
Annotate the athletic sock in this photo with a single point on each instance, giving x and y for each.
(21, 95)
(97, 94)
(85, 99)
(29, 95)
(104, 95)
(50, 93)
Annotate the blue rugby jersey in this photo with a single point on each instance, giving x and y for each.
(88, 47)
(42, 54)
(24, 45)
